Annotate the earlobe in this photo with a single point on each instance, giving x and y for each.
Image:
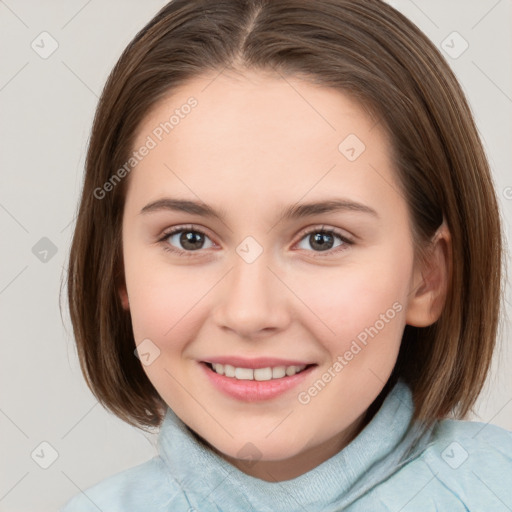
(430, 283)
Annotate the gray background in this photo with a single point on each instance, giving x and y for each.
(47, 106)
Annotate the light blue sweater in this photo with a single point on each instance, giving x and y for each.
(455, 466)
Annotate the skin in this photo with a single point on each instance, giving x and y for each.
(252, 146)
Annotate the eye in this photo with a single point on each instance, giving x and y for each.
(191, 239)
(321, 240)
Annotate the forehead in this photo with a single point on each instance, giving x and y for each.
(261, 136)
(253, 107)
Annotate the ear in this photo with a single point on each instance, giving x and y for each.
(430, 282)
(120, 283)
(123, 296)
(121, 287)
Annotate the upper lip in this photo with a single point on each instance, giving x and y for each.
(258, 362)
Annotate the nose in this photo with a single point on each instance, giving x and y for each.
(252, 300)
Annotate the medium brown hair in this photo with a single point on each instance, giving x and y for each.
(363, 48)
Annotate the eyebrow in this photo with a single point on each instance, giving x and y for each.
(295, 211)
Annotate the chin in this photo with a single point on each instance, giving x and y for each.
(254, 450)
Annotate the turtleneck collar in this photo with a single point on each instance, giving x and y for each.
(385, 443)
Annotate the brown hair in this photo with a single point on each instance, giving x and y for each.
(363, 48)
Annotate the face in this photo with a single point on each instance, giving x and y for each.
(267, 282)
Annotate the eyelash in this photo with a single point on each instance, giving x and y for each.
(319, 229)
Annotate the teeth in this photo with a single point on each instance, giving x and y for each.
(229, 371)
(268, 373)
(244, 373)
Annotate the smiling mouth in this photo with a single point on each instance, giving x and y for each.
(258, 374)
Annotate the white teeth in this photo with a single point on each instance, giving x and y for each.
(291, 370)
(244, 373)
(260, 374)
(278, 372)
(229, 371)
(263, 374)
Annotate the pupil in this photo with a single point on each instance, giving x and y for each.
(188, 238)
(319, 238)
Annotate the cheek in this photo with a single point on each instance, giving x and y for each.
(357, 303)
(162, 297)
(164, 308)
(163, 311)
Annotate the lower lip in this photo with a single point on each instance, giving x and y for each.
(255, 390)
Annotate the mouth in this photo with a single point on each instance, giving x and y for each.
(256, 384)
(257, 374)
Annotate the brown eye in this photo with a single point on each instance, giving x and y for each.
(184, 240)
(323, 240)
(191, 240)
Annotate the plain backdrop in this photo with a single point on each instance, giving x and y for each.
(56, 55)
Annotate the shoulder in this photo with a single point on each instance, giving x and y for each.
(472, 461)
(146, 486)
(456, 442)
(464, 466)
